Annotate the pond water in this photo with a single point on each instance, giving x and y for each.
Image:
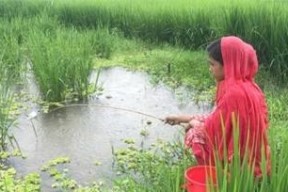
(88, 132)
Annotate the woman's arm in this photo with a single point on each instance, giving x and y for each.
(190, 119)
(177, 119)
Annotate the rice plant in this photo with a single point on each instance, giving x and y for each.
(7, 119)
(11, 9)
(189, 24)
(11, 50)
(61, 62)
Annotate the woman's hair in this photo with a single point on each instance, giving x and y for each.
(214, 50)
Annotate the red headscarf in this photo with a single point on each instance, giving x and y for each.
(239, 97)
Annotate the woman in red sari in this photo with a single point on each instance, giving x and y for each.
(239, 99)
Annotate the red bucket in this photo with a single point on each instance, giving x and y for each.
(200, 178)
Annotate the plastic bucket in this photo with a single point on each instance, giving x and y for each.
(200, 178)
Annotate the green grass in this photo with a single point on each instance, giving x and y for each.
(62, 61)
(189, 24)
(60, 64)
(61, 58)
(6, 119)
(11, 52)
(7, 99)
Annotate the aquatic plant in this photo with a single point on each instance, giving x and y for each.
(157, 168)
(9, 181)
(63, 181)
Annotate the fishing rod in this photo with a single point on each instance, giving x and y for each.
(106, 106)
(34, 114)
(113, 107)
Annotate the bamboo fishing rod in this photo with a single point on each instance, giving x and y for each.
(116, 108)
(106, 106)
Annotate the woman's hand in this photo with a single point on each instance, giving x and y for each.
(172, 120)
(178, 119)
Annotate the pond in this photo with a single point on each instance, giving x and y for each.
(89, 132)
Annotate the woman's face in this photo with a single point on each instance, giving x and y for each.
(216, 69)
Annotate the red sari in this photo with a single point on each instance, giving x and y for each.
(240, 100)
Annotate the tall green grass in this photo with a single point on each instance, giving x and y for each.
(11, 9)
(185, 23)
(7, 119)
(236, 173)
(12, 66)
(61, 58)
(11, 50)
(191, 24)
(62, 62)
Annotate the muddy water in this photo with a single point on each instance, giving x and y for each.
(87, 133)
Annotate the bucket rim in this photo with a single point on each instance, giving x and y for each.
(199, 166)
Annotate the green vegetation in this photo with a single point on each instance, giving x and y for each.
(159, 168)
(61, 63)
(185, 23)
(63, 41)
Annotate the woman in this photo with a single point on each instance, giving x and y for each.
(240, 108)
